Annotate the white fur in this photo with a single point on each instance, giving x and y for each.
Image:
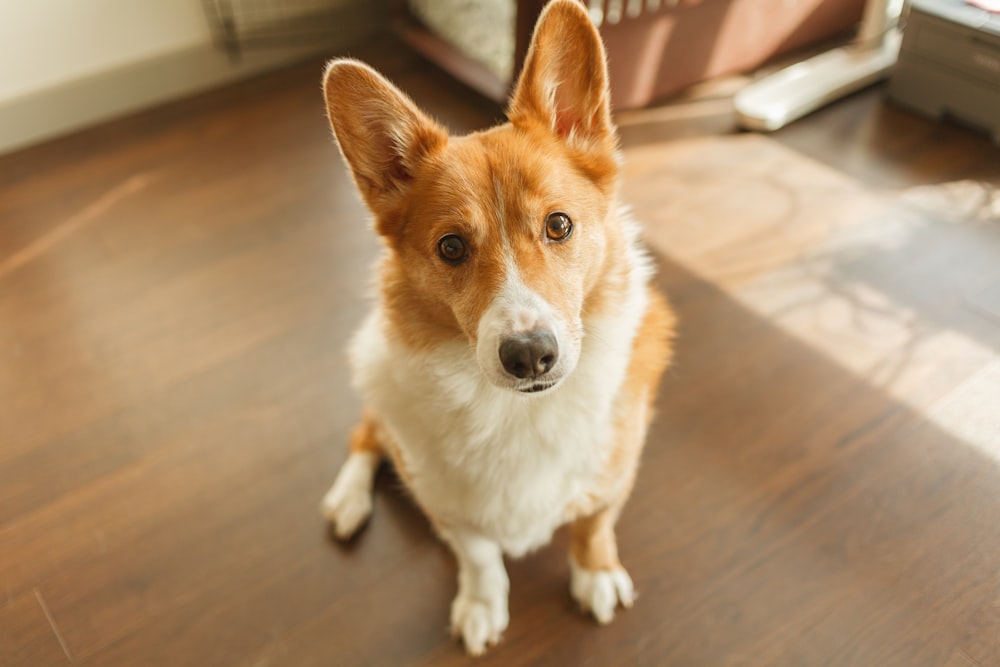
(600, 591)
(479, 611)
(348, 503)
(488, 460)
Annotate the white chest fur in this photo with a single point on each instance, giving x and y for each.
(504, 464)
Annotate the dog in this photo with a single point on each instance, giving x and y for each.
(510, 363)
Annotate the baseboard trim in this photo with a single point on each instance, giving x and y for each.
(59, 110)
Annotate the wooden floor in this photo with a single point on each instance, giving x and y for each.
(821, 486)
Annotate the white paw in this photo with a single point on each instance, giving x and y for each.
(348, 503)
(479, 621)
(600, 591)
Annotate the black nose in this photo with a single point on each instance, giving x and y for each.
(528, 355)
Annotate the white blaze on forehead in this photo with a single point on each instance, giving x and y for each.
(516, 308)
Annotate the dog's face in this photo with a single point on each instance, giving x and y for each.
(500, 237)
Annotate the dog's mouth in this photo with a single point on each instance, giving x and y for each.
(537, 387)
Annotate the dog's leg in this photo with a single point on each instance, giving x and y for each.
(348, 503)
(598, 580)
(479, 611)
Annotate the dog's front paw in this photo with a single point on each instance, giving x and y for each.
(479, 621)
(346, 509)
(600, 591)
(348, 503)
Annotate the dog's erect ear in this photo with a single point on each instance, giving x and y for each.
(383, 135)
(564, 83)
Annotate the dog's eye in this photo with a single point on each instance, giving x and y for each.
(558, 226)
(451, 248)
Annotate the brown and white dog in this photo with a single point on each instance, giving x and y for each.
(512, 356)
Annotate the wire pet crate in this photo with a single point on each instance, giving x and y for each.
(242, 24)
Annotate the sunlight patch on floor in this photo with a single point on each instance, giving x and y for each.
(884, 284)
(972, 411)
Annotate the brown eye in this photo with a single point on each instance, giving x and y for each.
(451, 248)
(558, 226)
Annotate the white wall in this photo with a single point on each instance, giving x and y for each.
(46, 43)
(67, 64)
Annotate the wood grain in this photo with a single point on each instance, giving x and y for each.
(820, 486)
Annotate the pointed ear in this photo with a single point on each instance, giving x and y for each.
(564, 83)
(382, 134)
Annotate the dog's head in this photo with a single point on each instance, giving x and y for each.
(503, 237)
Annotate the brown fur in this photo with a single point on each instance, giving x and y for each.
(365, 437)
